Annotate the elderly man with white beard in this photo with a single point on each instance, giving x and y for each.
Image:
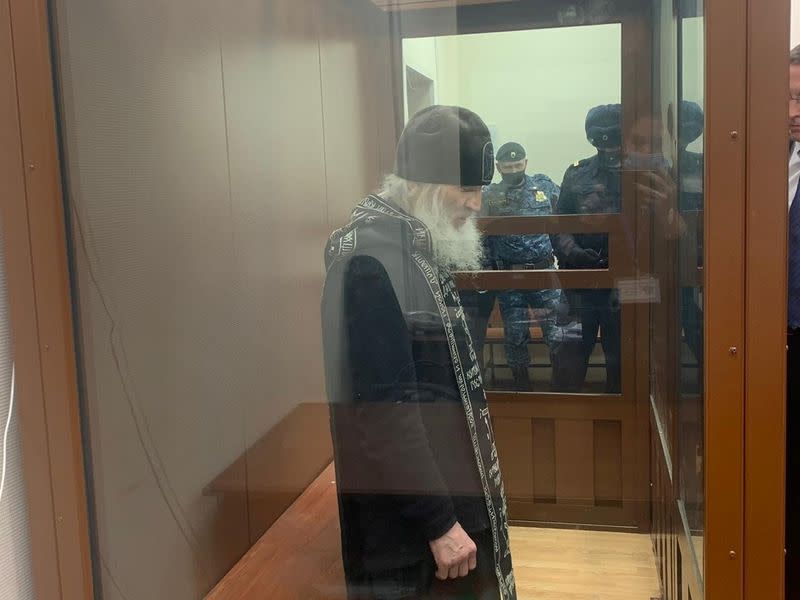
(421, 501)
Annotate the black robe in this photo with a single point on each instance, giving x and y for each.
(404, 449)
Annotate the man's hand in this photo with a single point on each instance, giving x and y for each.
(455, 554)
(586, 259)
(660, 192)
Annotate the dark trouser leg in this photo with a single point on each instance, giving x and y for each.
(590, 325)
(412, 582)
(692, 322)
(547, 303)
(610, 339)
(478, 307)
(566, 349)
(516, 323)
(793, 468)
(569, 367)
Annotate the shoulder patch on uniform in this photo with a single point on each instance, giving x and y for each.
(541, 196)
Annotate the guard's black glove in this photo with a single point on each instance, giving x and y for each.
(587, 259)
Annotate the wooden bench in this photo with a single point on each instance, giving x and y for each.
(299, 556)
(278, 467)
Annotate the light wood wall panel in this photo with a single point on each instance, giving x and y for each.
(208, 150)
(515, 448)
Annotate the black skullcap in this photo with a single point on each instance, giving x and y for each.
(446, 145)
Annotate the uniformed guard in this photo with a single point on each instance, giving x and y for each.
(592, 186)
(519, 194)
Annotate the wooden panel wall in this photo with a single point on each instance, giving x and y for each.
(208, 152)
(677, 555)
(563, 470)
(308, 137)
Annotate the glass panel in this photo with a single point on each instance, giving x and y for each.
(211, 152)
(690, 275)
(676, 385)
(792, 530)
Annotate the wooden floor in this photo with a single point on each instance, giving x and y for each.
(565, 564)
(298, 557)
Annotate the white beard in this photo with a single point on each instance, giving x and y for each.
(454, 248)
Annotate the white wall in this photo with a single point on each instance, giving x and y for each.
(794, 37)
(532, 87)
(420, 55)
(693, 79)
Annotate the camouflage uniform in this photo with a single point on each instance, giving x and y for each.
(533, 251)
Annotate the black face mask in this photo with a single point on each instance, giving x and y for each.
(513, 178)
(640, 161)
(609, 159)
